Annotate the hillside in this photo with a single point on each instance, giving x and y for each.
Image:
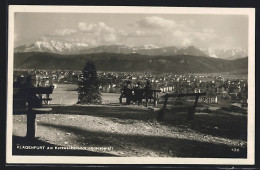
(169, 51)
(131, 131)
(128, 62)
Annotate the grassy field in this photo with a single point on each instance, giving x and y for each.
(62, 96)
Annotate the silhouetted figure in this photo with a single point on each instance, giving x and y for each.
(148, 94)
(20, 81)
(148, 86)
(138, 94)
(33, 99)
(126, 92)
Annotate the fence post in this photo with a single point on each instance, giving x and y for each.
(191, 110)
(155, 99)
(31, 123)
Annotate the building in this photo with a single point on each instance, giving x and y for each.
(210, 98)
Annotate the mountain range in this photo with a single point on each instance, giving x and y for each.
(128, 62)
(66, 48)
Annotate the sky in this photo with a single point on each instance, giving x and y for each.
(162, 30)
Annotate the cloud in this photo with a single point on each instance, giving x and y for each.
(156, 22)
(166, 32)
(84, 27)
(153, 30)
(98, 33)
(186, 42)
(178, 33)
(110, 38)
(208, 30)
(188, 22)
(95, 28)
(143, 33)
(63, 32)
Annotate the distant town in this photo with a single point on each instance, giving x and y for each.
(223, 86)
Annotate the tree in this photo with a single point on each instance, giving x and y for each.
(88, 86)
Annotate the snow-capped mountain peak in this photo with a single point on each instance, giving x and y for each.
(150, 46)
(232, 53)
(146, 47)
(52, 47)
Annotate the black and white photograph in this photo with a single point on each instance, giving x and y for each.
(130, 85)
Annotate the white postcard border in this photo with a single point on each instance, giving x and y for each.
(250, 160)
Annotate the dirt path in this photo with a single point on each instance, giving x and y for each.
(134, 131)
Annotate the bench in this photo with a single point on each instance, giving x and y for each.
(21, 99)
(30, 101)
(190, 109)
(137, 95)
